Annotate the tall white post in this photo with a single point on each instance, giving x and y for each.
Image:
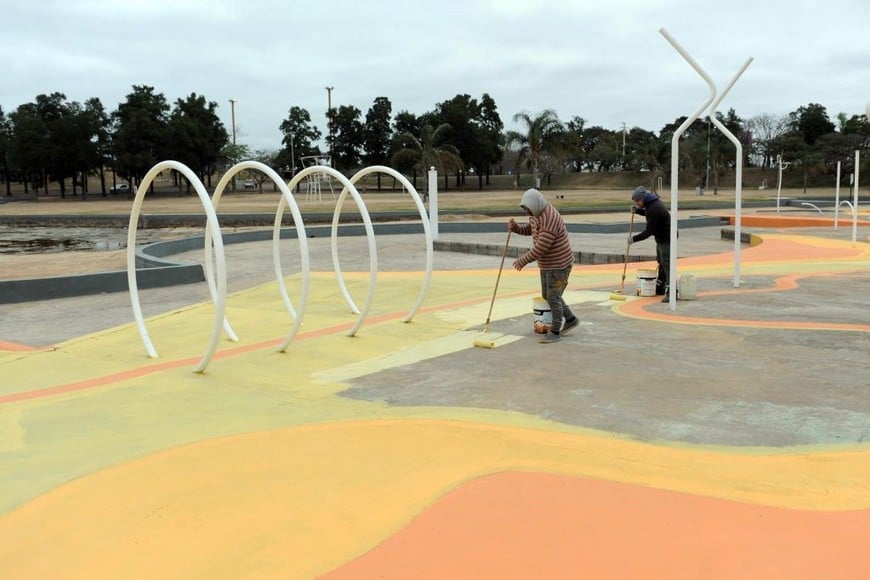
(855, 198)
(675, 158)
(433, 202)
(837, 200)
(738, 173)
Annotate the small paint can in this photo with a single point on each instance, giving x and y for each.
(542, 317)
(646, 282)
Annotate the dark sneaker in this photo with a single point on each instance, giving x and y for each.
(666, 298)
(570, 325)
(550, 337)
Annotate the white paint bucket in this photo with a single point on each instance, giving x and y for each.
(687, 289)
(543, 317)
(646, 282)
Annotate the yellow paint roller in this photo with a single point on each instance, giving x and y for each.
(620, 294)
(487, 339)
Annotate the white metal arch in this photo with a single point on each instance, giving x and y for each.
(426, 231)
(288, 199)
(370, 235)
(219, 297)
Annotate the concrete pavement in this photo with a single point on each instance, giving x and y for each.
(740, 415)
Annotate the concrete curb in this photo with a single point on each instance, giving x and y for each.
(153, 270)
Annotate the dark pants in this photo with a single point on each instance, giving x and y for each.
(663, 257)
(553, 284)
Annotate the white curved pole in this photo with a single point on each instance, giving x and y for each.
(855, 198)
(427, 231)
(297, 216)
(738, 172)
(370, 234)
(675, 160)
(221, 273)
(333, 241)
(837, 200)
(209, 266)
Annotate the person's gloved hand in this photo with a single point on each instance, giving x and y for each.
(634, 209)
(517, 266)
(512, 225)
(630, 239)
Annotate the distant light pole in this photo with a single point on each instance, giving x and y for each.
(623, 146)
(707, 176)
(233, 112)
(292, 158)
(329, 120)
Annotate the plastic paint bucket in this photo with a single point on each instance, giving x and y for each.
(646, 282)
(687, 289)
(542, 316)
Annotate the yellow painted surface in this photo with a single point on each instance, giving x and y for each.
(116, 465)
(297, 502)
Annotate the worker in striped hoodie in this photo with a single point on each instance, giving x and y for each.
(551, 248)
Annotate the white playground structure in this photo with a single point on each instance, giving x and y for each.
(215, 259)
(314, 182)
(711, 111)
(709, 105)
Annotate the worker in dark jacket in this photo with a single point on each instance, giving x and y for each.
(658, 225)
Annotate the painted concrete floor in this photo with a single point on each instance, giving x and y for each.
(726, 439)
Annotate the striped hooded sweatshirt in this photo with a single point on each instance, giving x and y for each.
(551, 247)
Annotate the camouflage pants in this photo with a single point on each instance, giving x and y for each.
(553, 284)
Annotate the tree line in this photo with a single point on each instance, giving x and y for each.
(55, 140)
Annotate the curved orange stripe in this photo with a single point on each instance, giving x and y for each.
(782, 221)
(637, 309)
(17, 347)
(533, 525)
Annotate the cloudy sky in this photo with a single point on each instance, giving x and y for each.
(603, 60)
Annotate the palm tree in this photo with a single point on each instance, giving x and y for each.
(427, 151)
(543, 136)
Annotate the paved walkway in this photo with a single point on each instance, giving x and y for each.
(725, 439)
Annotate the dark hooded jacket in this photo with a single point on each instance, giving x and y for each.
(658, 220)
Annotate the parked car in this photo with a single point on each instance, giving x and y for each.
(120, 188)
(250, 184)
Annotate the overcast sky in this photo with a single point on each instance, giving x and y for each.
(604, 61)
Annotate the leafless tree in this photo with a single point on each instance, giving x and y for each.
(764, 130)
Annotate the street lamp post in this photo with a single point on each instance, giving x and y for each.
(233, 113)
(329, 119)
(292, 158)
(707, 175)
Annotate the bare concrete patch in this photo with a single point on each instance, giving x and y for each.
(659, 381)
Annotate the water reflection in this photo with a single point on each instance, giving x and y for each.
(46, 240)
(43, 240)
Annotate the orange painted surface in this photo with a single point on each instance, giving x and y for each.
(789, 221)
(793, 248)
(16, 347)
(533, 525)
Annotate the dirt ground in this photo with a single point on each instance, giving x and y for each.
(468, 199)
